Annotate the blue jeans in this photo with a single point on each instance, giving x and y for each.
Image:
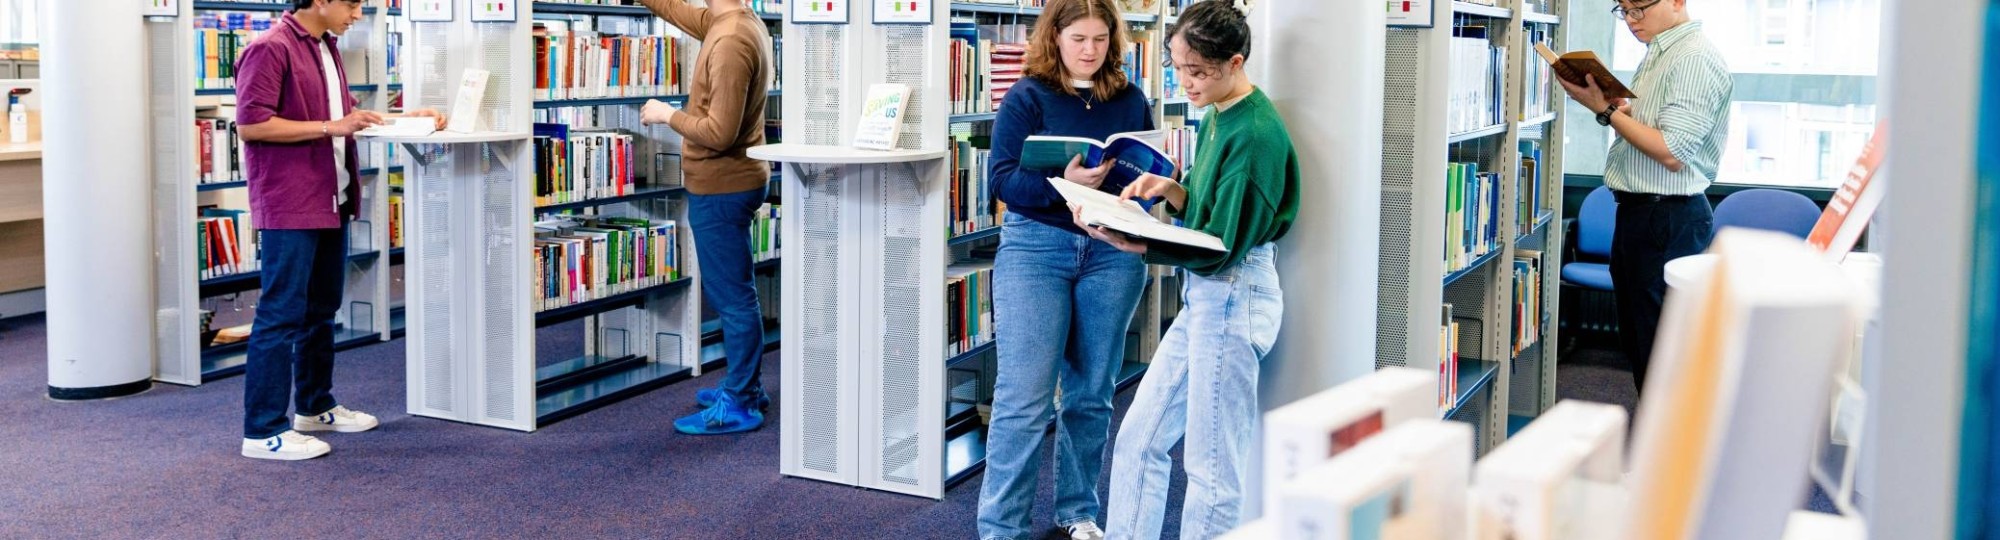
(291, 345)
(1061, 304)
(722, 247)
(1202, 385)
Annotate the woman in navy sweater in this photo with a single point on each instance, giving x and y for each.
(1061, 300)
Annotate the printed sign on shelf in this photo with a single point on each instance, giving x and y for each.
(493, 11)
(430, 10)
(819, 11)
(1410, 14)
(903, 11)
(162, 8)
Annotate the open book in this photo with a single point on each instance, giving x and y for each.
(1123, 215)
(1573, 65)
(1137, 154)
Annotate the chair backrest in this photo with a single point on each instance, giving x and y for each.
(1595, 223)
(1768, 209)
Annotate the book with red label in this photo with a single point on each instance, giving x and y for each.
(1847, 214)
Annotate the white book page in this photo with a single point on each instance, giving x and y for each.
(1123, 215)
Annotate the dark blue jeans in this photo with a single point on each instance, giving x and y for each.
(1651, 231)
(722, 248)
(291, 346)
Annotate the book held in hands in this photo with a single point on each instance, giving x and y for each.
(1137, 154)
(1574, 65)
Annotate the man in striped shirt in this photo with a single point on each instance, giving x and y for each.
(1669, 141)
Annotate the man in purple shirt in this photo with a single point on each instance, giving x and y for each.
(296, 119)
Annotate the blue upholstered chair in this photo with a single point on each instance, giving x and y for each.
(1587, 272)
(1767, 209)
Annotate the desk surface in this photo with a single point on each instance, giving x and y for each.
(18, 152)
(827, 154)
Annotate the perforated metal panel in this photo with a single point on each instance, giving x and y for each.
(907, 61)
(901, 199)
(1526, 387)
(178, 316)
(501, 358)
(497, 45)
(819, 256)
(1394, 300)
(433, 333)
(823, 46)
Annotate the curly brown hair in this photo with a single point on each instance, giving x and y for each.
(1044, 61)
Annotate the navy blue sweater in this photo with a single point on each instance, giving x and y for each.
(1033, 108)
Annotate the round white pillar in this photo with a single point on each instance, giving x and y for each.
(97, 220)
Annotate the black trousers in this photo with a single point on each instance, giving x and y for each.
(1652, 229)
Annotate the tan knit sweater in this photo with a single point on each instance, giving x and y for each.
(724, 115)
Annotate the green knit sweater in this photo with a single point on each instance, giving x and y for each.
(1243, 186)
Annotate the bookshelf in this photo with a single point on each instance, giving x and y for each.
(187, 89)
(1469, 194)
(996, 25)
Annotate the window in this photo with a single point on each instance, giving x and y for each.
(1804, 75)
(18, 22)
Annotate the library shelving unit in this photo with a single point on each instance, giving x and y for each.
(620, 113)
(1429, 146)
(970, 374)
(470, 249)
(867, 253)
(184, 87)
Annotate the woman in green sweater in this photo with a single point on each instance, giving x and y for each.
(1243, 187)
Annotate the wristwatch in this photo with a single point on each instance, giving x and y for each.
(1604, 117)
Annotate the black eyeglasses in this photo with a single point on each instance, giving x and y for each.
(1636, 14)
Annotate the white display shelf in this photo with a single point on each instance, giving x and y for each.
(444, 137)
(839, 155)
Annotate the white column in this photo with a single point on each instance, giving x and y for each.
(96, 199)
(1331, 101)
(1916, 386)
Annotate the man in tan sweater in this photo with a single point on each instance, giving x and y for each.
(723, 119)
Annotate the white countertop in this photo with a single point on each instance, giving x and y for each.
(838, 155)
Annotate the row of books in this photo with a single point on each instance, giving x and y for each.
(1142, 62)
(1447, 383)
(219, 150)
(765, 230)
(1538, 82)
(219, 39)
(573, 64)
(1527, 299)
(1180, 140)
(1472, 214)
(574, 166)
(582, 258)
(968, 293)
(225, 243)
(970, 69)
(973, 207)
(1476, 81)
(1528, 185)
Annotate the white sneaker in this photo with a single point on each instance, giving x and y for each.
(1085, 531)
(287, 446)
(340, 420)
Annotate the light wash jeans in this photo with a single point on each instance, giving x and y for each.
(1061, 303)
(1202, 385)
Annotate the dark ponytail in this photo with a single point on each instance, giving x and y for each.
(1213, 29)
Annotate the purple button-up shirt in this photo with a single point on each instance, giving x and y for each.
(292, 184)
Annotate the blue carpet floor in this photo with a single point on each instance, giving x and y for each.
(164, 464)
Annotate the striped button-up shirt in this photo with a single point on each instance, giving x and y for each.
(1683, 89)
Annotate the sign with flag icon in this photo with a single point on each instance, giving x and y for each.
(162, 8)
(430, 10)
(493, 11)
(819, 11)
(1410, 14)
(903, 11)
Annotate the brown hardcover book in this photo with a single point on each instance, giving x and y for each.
(1574, 65)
